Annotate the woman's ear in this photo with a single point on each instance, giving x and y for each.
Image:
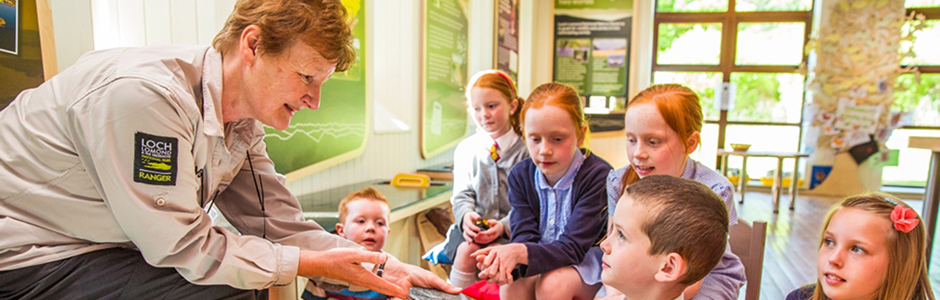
(692, 142)
(248, 44)
(513, 106)
(671, 269)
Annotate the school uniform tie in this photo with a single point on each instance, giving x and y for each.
(493, 154)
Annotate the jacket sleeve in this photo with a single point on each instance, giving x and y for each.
(613, 189)
(464, 199)
(162, 216)
(725, 280)
(524, 215)
(584, 226)
(282, 219)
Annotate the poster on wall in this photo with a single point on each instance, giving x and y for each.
(21, 64)
(592, 42)
(507, 38)
(336, 132)
(444, 75)
(9, 35)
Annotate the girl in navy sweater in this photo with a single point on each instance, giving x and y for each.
(558, 199)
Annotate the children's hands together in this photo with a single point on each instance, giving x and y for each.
(468, 227)
(488, 236)
(496, 263)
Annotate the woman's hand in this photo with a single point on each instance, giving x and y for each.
(496, 263)
(408, 276)
(488, 236)
(345, 264)
(468, 227)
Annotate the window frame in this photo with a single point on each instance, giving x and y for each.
(729, 21)
(931, 13)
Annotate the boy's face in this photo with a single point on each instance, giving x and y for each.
(366, 223)
(628, 266)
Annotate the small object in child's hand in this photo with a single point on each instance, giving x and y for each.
(483, 224)
(419, 293)
(381, 270)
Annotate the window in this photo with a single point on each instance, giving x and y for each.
(921, 99)
(755, 44)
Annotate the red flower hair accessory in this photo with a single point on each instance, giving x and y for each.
(904, 218)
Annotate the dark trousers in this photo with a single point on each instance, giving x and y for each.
(110, 274)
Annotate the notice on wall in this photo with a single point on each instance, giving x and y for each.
(443, 106)
(592, 42)
(336, 132)
(507, 38)
(21, 65)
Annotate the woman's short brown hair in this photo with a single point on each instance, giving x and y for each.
(320, 24)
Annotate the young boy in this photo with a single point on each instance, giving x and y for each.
(668, 233)
(363, 218)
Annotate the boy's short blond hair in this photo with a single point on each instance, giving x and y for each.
(368, 193)
(685, 217)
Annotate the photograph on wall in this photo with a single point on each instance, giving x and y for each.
(21, 64)
(444, 75)
(592, 42)
(507, 37)
(9, 33)
(337, 130)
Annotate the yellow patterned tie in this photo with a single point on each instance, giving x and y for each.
(493, 154)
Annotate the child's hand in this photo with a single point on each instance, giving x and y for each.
(488, 236)
(497, 262)
(470, 229)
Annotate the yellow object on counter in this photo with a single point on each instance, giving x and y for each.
(411, 180)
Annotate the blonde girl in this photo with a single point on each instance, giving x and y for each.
(871, 247)
(662, 126)
(558, 200)
(481, 164)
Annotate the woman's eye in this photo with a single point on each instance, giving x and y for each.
(653, 142)
(858, 250)
(620, 235)
(828, 242)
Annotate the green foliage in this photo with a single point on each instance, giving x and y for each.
(908, 99)
(755, 97)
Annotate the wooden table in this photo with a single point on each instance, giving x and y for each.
(932, 188)
(778, 175)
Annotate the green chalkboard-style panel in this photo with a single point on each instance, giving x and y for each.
(337, 131)
(444, 75)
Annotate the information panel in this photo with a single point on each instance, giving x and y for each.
(444, 75)
(592, 42)
(336, 132)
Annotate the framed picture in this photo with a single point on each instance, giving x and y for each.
(9, 26)
(27, 47)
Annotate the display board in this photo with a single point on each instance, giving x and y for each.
(592, 42)
(336, 132)
(22, 47)
(443, 75)
(506, 57)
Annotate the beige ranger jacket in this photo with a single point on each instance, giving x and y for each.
(116, 152)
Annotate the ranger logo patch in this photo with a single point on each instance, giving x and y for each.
(155, 159)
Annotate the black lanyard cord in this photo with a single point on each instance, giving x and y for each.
(260, 192)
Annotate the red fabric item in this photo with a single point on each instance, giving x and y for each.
(482, 291)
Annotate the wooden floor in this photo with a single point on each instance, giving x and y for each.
(792, 240)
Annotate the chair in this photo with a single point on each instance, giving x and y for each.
(747, 242)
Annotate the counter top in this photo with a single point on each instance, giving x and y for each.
(924, 142)
(323, 206)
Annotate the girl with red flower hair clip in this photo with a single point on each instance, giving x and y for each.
(872, 246)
